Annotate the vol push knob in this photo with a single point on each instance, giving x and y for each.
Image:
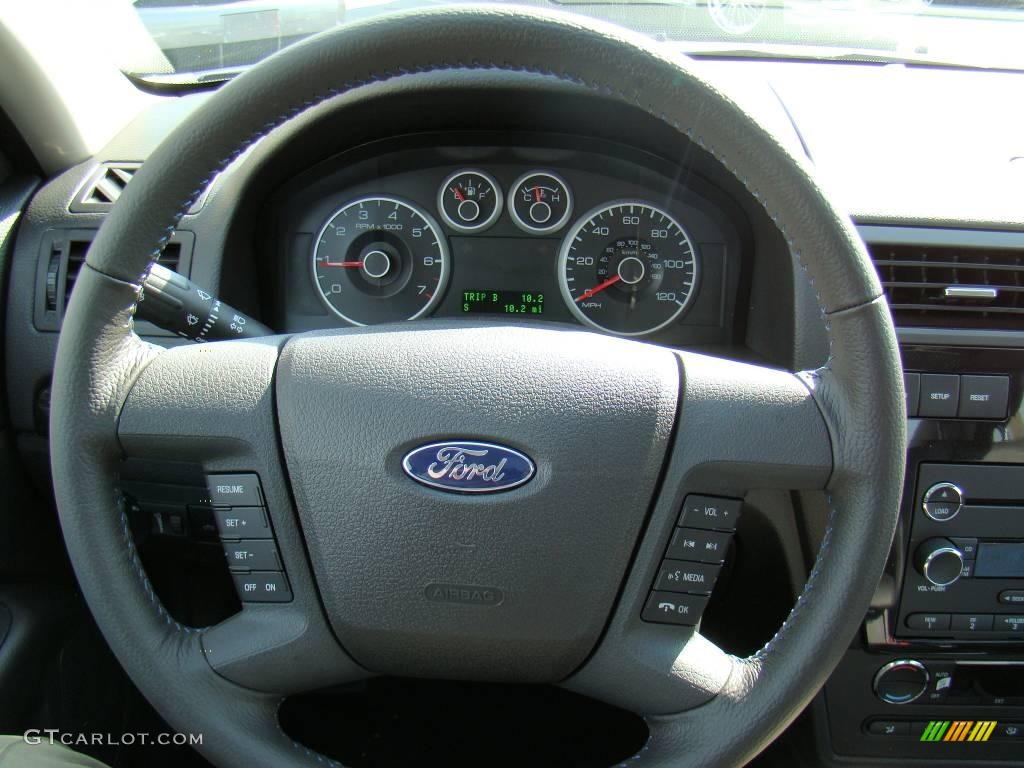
(939, 561)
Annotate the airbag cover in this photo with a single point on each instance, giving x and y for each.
(515, 585)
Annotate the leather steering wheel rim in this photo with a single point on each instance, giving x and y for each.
(858, 390)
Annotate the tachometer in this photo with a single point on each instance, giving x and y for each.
(628, 268)
(380, 260)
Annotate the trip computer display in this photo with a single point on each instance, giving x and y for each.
(503, 302)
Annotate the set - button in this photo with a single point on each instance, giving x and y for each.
(243, 526)
(693, 560)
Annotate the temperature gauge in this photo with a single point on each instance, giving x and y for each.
(540, 202)
(469, 201)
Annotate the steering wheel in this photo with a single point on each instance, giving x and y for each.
(620, 432)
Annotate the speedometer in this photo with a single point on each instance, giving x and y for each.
(379, 260)
(628, 268)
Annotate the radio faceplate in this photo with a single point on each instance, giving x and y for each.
(964, 576)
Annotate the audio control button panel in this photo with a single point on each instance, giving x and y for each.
(964, 574)
(692, 560)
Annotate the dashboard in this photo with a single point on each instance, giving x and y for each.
(535, 232)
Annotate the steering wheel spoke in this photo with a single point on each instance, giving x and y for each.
(742, 427)
(213, 404)
(747, 426)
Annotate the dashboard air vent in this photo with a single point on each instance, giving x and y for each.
(170, 257)
(104, 187)
(952, 287)
(61, 262)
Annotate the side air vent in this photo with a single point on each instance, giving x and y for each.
(952, 287)
(104, 187)
(107, 183)
(61, 262)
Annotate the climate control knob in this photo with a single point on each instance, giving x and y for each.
(901, 682)
(939, 561)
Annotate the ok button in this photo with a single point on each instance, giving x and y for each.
(699, 545)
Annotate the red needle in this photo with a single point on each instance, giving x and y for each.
(598, 288)
(341, 263)
(536, 193)
(458, 194)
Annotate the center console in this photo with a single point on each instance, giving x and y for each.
(937, 675)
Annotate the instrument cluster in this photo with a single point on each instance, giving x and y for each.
(588, 239)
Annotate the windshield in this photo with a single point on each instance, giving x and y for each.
(214, 38)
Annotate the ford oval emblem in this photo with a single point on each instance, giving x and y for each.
(468, 467)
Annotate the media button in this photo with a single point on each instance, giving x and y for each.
(679, 576)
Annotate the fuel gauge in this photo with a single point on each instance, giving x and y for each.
(469, 200)
(540, 202)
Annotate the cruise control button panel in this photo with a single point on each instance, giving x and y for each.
(243, 525)
(693, 560)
